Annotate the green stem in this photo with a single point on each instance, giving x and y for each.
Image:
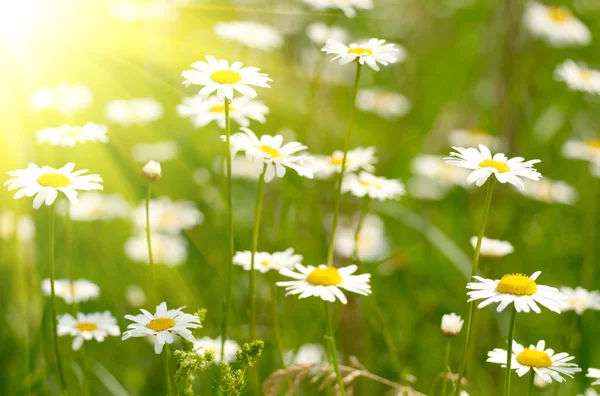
(69, 248)
(361, 220)
(486, 209)
(331, 335)
(446, 368)
(230, 246)
(149, 238)
(531, 382)
(53, 293)
(276, 328)
(511, 333)
(167, 372)
(255, 231)
(86, 369)
(338, 198)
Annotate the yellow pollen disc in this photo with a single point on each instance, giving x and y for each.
(86, 326)
(559, 14)
(360, 51)
(478, 131)
(585, 75)
(161, 324)
(336, 160)
(534, 358)
(594, 143)
(270, 150)
(517, 284)
(226, 77)
(499, 166)
(368, 184)
(55, 180)
(264, 263)
(220, 108)
(324, 277)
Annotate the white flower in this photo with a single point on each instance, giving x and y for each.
(383, 103)
(367, 184)
(138, 111)
(578, 77)
(518, 289)
(307, 354)
(347, 6)
(319, 33)
(81, 290)
(594, 373)
(588, 149)
(547, 364)
(433, 167)
(152, 171)
(219, 76)
(451, 325)
(556, 25)
(264, 262)
(65, 98)
(250, 34)
(589, 392)
(325, 282)
(207, 344)
(579, 299)
(484, 165)
(204, 111)
(46, 182)
(67, 135)
(539, 382)
(86, 327)
(359, 158)
(170, 250)
(159, 151)
(372, 243)
(551, 191)
(474, 137)
(168, 216)
(270, 152)
(163, 324)
(135, 296)
(371, 52)
(493, 247)
(94, 206)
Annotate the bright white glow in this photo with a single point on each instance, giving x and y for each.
(16, 17)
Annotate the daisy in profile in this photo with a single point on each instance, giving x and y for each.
(360, 158)
(371, 52)
(167, 249)
(64, 98)
(587, 149)
(451, 325)
(544, 361)
(270, 151)
(493, 248)
(319, 33)
(325, 282)
(168, 216)
(207, 344)
(578, 77)
(86, 327)
(556, 25)
(137, 111)
(518, 289)
(348, 7)
(163, 324)
(367, 184)
(551, 191)
(483, 165)
(383, 103)
(204, 111)
(67, 135)
(46, 182)
(265, 262)
(251, 34)
(72, 292)
(218, 75)
(594, 373)
(474, 137)
(372, 244)
(579, 299)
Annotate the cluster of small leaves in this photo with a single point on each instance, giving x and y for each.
(233, 380)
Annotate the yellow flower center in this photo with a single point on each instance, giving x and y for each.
(226, 77)
(220, 108)
(478, 131)
(270, 150)
(517, 284)
(86, 326)
(594, 143)
(360, 51)
(264, 263)
(559, 14)
(161, 324)
(585, 75)
(534, 358)
(55, 180)
(328, 276)
(337, 160)
(369, 184)
(499, 166)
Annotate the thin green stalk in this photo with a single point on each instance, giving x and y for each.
(361, 219)
(276, 328)
(69, 247)
(446, 368)
(53, 294)
(230, 246)
(511, 333)
(255, 231)
(331, 336)
(86, 369)
(486, 209)
(149, 238)
(167, 371)
(338, 198)
(531, 381)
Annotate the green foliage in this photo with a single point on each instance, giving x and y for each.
(233, 380)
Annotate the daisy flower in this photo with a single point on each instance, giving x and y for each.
(325, 282)
(483, 165)
(163, 324)
(264, 262)
(86, 327)
(207, 344)
(270, 151)
(359, 158)
(168, 216)
(152, 171)
(383, 103)
(307, 354)
(67, 135)
(551, 191)
(81, 290)
(451, 325)
(547, 364)
(518, 289)
(372, 243)
(138, 111)
(579, 299)
(347, 6)
(493, 248)
(219, 76)
(204, 111)
(587, 150)
(319, 33)
(474, 137)
(46, 182)
(594, 373)
(94, 206)
(251, 34)
(167, 249)
(367, 184)
(64, 98)
(371, 52)
(135, 296)
(556, 25)
(578, 77)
